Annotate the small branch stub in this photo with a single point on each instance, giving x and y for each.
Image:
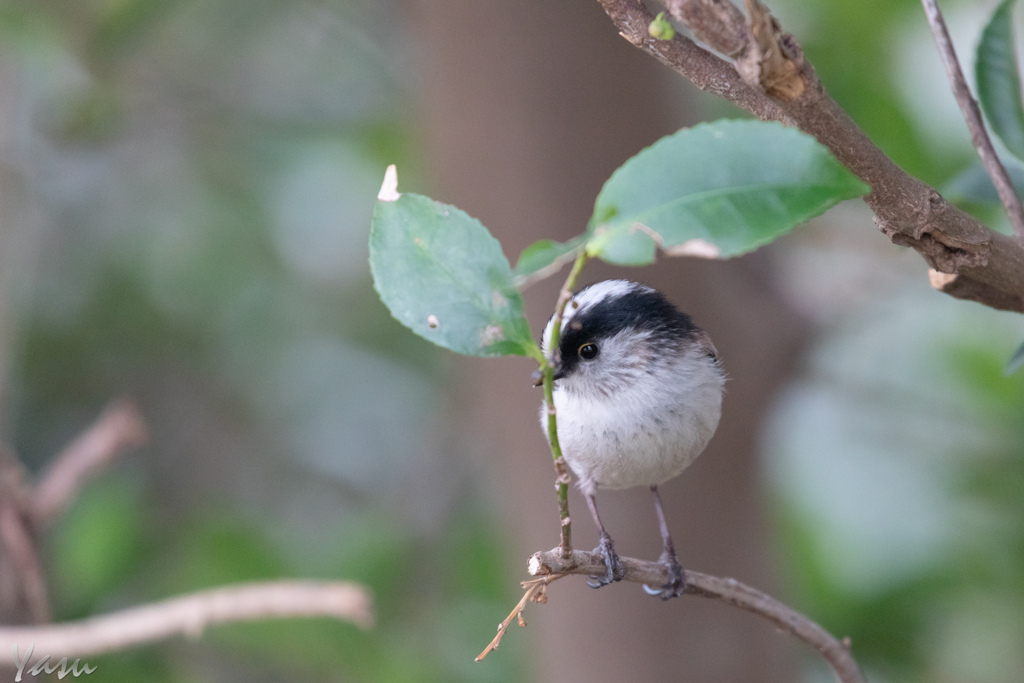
(768, 63)
(939, 280)
(118, 429)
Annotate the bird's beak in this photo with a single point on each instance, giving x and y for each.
(538, 377)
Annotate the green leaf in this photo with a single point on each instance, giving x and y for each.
(716, 190)
(998, 79)
(441, 274)
(543, 256)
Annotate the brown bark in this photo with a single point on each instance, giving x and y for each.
(773, 81)
(972, 115)
(555, 564)
(528, 107)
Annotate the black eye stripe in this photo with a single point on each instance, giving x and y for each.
(640, 310)
(644, 311)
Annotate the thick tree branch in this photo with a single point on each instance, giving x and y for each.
(773, 81)
(730, 591)
(972, 115)
(189, 615)
(119, 428)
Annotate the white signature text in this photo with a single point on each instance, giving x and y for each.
(44, 666)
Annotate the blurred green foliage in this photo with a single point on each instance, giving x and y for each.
(854, 46)
(897, 458)
(191, 184)
(195, 183)
(926, 578)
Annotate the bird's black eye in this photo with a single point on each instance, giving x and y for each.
(588, 351)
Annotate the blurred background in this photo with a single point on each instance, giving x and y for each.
(185, 196)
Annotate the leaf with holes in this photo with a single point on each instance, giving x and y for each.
(441, 273)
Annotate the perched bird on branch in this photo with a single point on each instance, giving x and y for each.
(638, 394)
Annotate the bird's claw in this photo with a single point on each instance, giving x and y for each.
(677, 579)
(614, 572)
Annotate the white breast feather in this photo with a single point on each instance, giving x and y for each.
(641, 434)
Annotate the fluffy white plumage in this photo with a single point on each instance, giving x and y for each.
(641, 411)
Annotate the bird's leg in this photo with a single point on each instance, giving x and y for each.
(607, 550)
(677, 580)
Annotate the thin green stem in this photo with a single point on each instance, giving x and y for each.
(547, 371)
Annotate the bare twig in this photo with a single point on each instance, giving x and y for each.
(536, 591)
(972, 115)
(119, 428)
(989, 266)
(189, 615)
(24, 510)
(730, 591)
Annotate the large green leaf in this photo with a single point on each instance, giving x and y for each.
(998, 79)
(441, 273)
(716, 190)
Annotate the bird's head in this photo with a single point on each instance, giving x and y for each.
(613, 333)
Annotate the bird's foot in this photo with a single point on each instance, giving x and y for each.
(677, 579)
(614, 571)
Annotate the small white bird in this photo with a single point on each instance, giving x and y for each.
(638, 395)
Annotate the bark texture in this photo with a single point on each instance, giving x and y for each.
(772, 80)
